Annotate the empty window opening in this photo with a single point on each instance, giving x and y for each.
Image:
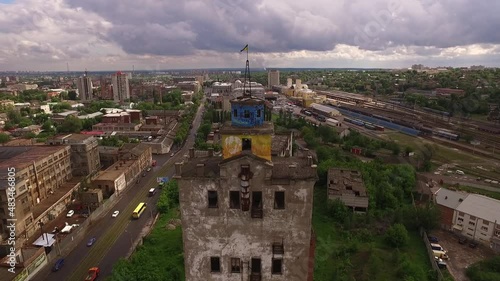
(256, 265)
(215, 264)
(257, 199)
(235, 265)
(234, 199)
(277, 266)
(246, 114)
(235, 113)
(258, 112)
(279, 200)
(213, 201)
(246, 144)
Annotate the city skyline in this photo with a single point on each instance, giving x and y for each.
(150, 35)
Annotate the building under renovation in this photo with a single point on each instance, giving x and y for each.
(247, 215)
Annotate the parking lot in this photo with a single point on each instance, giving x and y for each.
(461, 255)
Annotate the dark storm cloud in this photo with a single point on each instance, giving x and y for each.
(181, 27)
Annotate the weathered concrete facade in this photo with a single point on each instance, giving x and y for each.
(227, 232)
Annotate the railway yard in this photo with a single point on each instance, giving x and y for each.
(478, 141)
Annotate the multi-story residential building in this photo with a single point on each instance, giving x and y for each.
(121, 90)
(132, 161)
(85, 161)
(120, 117)
(478, 218)
(273, 78)
(247, 215)
(112, 127)
(447, 202)
(85, 89)
(40, 172)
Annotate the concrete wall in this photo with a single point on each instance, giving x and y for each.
(232, 233)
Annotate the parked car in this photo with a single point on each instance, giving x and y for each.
(70, 213)
(91, 242)
(115, 214)
(172, 154)
(144, 174)
(440, 254)
(433, 239)
(149, 169)
(473, 244)
(440, 263)
(58, 265)
(462, 240)
(437, 247)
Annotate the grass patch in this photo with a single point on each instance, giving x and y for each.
(159, 258)
(360, 254)
(442, 154)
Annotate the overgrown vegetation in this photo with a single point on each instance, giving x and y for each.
(160, 257)
(486, 270)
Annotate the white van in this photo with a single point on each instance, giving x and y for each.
(460, 172)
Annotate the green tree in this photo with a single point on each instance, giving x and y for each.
(71, 124)
(72, 95)
(4, 138)
(397, 236)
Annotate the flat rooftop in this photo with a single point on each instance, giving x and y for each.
(22, 156)
(112, 173)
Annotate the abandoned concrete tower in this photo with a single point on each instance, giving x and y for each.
(247, 215)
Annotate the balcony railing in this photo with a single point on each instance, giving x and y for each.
(255, 276)
(257, 213)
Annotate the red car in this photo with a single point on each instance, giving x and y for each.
(93, 273)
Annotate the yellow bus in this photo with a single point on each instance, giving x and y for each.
(139, 210)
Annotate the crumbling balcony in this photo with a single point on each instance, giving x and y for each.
(257, 213)
(255, 276)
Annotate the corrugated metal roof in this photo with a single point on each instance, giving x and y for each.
(482, 207)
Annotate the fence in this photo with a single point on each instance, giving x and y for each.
(430, 253)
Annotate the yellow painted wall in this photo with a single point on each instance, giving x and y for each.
(261, 145)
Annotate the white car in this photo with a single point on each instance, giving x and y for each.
(70, 213)
(115, 214)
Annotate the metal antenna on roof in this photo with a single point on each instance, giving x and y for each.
(247, 75)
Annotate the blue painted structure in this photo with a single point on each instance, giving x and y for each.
(247, 114)
(376, 121)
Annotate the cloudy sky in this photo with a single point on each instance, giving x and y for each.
(166, 34)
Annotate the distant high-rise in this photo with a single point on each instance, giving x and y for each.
(273, 78)
(121, 91)
(85, 91)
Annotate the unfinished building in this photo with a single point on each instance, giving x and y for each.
(347, 185)
(247, 215)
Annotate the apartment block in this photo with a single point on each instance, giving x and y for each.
(85, 160)
(41, 173)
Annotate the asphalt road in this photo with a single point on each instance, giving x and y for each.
(115, 236)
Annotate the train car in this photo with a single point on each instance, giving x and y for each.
(347, 119)
(369, 126)
(491, 130)
(435, 111)
(379, 128)
(446, 135)
(382, 117)
(425, 131)
(358, 122)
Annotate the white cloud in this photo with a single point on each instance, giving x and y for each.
(150, 34)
